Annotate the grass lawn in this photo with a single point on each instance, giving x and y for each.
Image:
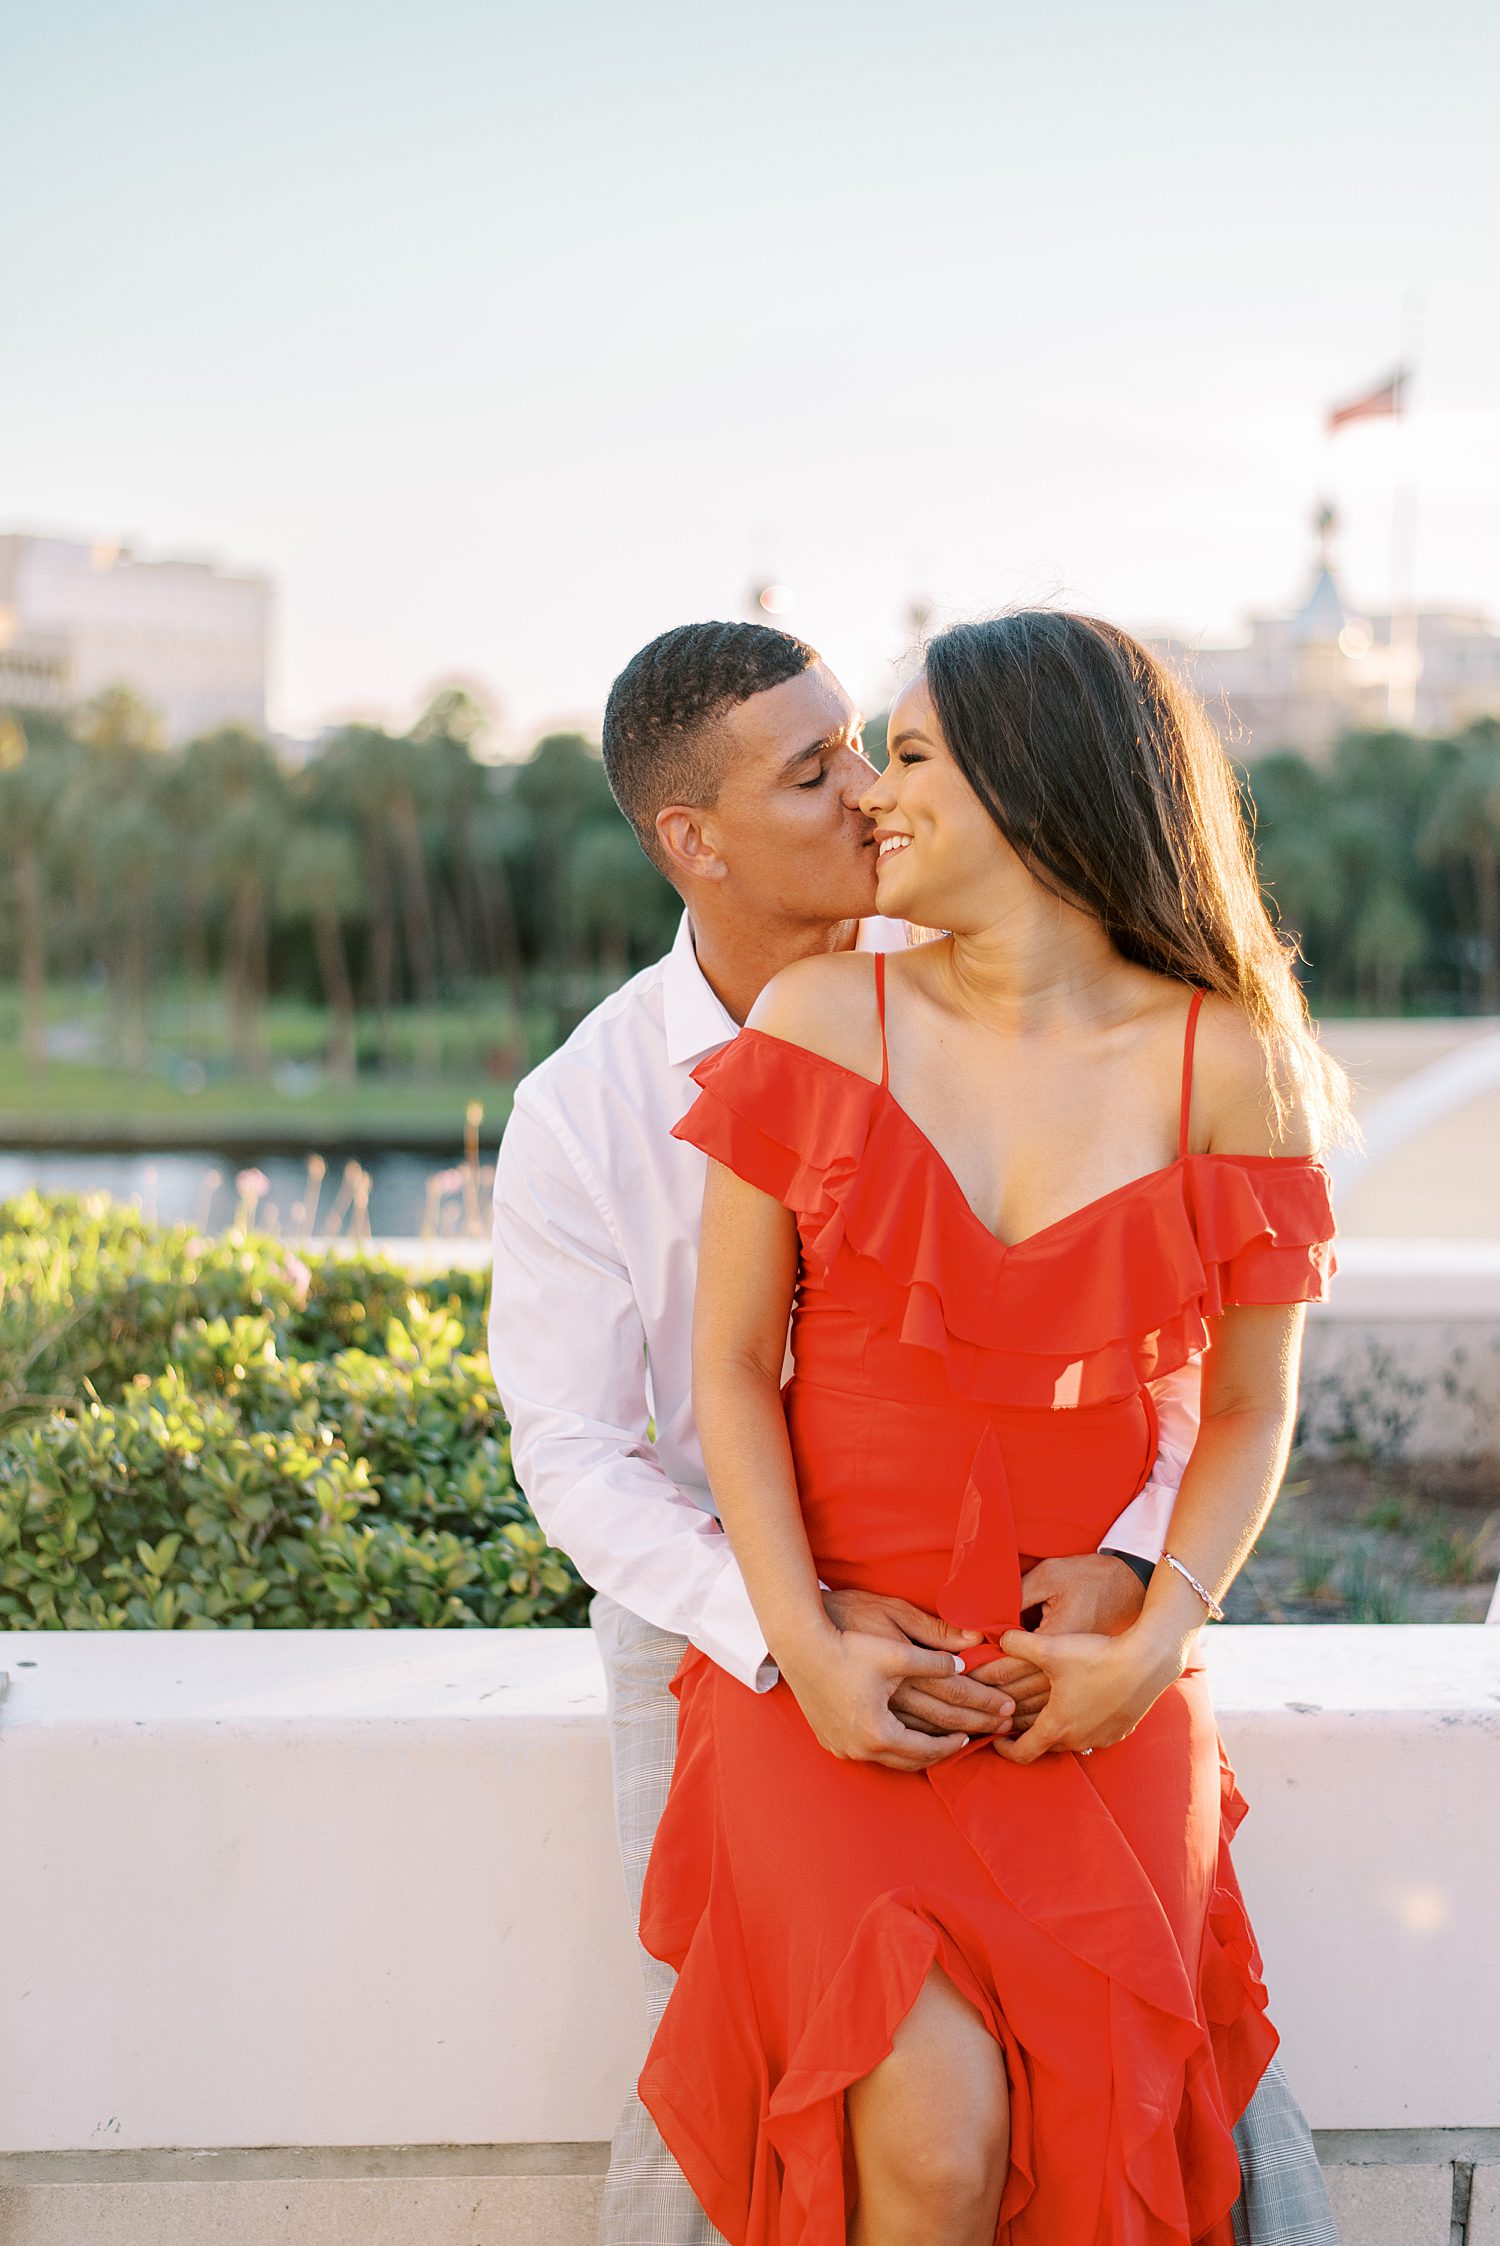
(78, 1103)
(415, 1082)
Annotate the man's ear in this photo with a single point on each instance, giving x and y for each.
(687, 845)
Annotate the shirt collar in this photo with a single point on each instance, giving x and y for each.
(698, 1021)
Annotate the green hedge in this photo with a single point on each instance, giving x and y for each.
(211, 1432)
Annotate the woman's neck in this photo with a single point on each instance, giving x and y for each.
(1041, 963)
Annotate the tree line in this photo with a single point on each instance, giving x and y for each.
(1384, 861)
(397, 871)
(391, 871)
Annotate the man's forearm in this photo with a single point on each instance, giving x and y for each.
(1140, 1533)
(578, 1418)
(634, 1535)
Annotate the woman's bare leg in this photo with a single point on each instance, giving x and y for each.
(930, 2128)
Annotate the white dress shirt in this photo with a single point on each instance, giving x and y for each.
(597, 1211)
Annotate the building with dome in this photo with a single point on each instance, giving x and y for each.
(1298, 681)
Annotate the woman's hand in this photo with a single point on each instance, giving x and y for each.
(935, 1705)
(843, 1680)
(1101, 1687)
(1089, 1591)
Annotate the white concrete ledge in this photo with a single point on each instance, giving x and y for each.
(1449, 1280)
(359, 1889)
(308, 1887)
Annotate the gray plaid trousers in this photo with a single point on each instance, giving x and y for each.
(647, 2201)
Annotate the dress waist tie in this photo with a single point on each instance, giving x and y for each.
(983, 1589)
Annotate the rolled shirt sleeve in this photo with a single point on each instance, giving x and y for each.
(1142, 1527)
(568, 1353)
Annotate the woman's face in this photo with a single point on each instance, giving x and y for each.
(939, 851)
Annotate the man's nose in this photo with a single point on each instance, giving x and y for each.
(859, 780)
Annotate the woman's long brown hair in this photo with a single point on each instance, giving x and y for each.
(1103, 772)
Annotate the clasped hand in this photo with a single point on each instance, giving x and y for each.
(1101, 1688)
(883, 1685)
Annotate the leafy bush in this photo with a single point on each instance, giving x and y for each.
(201, 1433)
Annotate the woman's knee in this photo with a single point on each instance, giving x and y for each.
(931, 2123)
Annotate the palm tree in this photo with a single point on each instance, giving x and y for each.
(1388, 941)
(33, 780)
(192, 797)
(134, 855)
(116, 856)
(497, 935)
(372, 777)
(405, 786)
(617, 901)
(1462, 830)
(243, 847)
(1293, 806)
(318, 881)
(118, 719)
(559, 790)
(454, 788)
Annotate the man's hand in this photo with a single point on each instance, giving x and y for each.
(843, 1681)
(935, 1705)
(1090, 1593)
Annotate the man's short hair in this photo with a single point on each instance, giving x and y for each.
(659, 744)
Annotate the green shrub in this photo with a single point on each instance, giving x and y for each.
(1451, 1554)
(1315, 1563)
(201, 1433)
(1368, 1594)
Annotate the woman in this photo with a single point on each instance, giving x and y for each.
(936, 1991)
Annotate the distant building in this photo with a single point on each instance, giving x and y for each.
(1299, 681)
(186, 636)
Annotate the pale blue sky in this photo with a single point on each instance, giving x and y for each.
(504, 338)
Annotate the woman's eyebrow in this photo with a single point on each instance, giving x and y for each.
(909, 733)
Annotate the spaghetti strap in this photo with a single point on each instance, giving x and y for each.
(885, 1055)
(1189, 1038)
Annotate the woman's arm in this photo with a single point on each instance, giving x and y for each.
(842, 1680)
(1249, 1412)
(1101, 1687)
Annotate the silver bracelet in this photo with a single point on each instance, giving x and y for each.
(1216, 1612)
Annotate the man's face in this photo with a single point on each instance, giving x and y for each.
(787, 823)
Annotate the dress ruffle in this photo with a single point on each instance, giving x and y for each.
(764, 2144)
(1029, 1324)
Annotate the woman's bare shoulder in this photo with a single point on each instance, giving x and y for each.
(1248, 1099)
(827, 1005)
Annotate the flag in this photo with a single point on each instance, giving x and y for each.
(1387, 400)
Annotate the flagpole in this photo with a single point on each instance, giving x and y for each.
(1404, 664)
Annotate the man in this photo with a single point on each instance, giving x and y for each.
(736, 756)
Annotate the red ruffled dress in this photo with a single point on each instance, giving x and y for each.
(959, 1408)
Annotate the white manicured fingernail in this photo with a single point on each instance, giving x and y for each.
(958, 1664)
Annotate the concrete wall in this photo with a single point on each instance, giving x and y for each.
(352, 1898)
(1411, 1334)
